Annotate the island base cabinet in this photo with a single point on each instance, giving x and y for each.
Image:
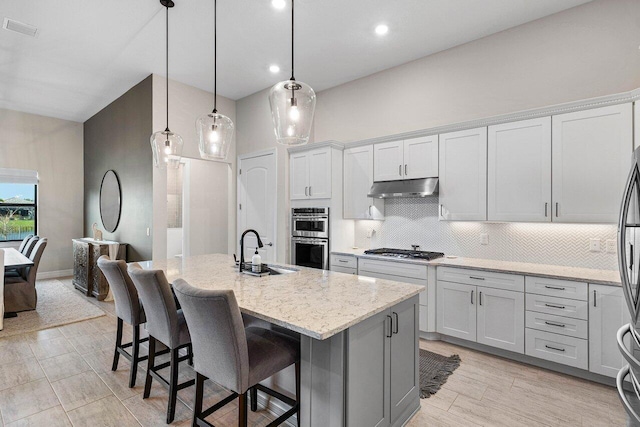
(382, 368)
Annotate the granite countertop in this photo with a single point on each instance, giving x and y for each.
(590, 275)
(312, 302)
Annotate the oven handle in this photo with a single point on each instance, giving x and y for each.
(305, 218)
(308, 240)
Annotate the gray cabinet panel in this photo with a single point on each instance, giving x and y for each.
(404, 359)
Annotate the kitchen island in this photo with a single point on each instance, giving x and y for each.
(359, 336)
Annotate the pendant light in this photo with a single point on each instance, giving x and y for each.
(167, 145)
(215, 130)
(292, 105)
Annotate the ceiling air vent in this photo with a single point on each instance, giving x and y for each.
(19, 27)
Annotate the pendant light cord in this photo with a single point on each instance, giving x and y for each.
(292, 62)
(215, 55)
(167, 63)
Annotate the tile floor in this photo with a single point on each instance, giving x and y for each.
(62, 376)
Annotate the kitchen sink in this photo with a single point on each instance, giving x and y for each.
(277, 269)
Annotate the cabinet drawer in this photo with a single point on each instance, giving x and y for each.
(344, 261)
(557, 324)
(341, 269)
(402, 269)
(557, 348)
(556, 288)
(558, 306)
(489, 279)
(423, 282)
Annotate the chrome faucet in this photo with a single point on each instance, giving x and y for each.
(242, 246)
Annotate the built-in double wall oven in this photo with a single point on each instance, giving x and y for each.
(310, 237)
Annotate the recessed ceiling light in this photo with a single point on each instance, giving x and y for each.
(278, 4)
(274, 69)
(382, 29)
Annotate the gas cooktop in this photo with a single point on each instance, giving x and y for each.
(404, 253)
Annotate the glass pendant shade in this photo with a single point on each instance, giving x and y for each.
(215, 132)
(293, 104)
(167, 149)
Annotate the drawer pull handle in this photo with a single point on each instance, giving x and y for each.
(556, 288)
(554, 348)
(560, 325)
(342, 260)
(476, 278)
(472, 297)
(561, 307)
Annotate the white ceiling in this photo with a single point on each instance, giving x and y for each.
(87, 53)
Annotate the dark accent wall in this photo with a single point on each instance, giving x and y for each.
(118, 138)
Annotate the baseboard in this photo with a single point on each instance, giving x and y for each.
(430, 336)
(54, 274)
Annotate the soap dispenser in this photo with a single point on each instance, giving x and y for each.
(256, 262)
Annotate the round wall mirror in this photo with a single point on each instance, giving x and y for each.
(110, 201)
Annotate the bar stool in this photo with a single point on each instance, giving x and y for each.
(128, 309)
(232, 356)
(165, 323)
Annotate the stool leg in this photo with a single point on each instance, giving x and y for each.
(197, 407)
(190, 352)
(150, 366)
(173, 386)
(242, 410)
(116, 354)
(298, 390)
(134, 356)
(254, 398)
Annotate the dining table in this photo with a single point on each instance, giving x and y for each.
(13, 259)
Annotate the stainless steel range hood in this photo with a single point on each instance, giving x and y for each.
(405, 188)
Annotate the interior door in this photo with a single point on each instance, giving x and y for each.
(388, 161)
(421, 157)
(257, 194)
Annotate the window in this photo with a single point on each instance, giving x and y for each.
(18, 209)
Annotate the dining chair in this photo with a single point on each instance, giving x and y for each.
(30, 245)
(20, 292)
(24, 242)
(2, 291)
(166, 324)
(19, 272)
(233, 356)
(128, 309)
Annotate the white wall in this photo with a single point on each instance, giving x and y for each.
(187, 103)
(54, 148)
(587, 51)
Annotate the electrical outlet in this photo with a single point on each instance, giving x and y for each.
(595, 245)
(611, 246)
(484, 239)
(370, 232)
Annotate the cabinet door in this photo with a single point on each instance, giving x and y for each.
(591, 157)
(501, 319)
(519, 171)
(320, 173)
(607, 313)
(299, 176)
(456, 310)
(463, 175)
(421, 157)
(368, 365)
(405, 385)
(388, 161)
(358, 179)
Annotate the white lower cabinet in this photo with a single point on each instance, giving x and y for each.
(489, 316)
(607, 313)
(347, 264)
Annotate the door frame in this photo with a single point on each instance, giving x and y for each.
(260, 153)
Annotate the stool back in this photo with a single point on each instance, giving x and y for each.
(128, 306)
(159, 306)
(217, 335)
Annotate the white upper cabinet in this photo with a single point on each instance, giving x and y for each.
(519, 171)
(299, 172)
(421, 157)
(463, 175)
(358, 179)
(310, 174)
(388, 161)
(591, 156)
(409, 159)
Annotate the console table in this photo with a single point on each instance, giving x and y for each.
(87, 277)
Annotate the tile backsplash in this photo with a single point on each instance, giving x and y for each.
(415, 222)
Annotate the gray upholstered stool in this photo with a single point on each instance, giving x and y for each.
(128, 309)
(232, 356)
(165, 323)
